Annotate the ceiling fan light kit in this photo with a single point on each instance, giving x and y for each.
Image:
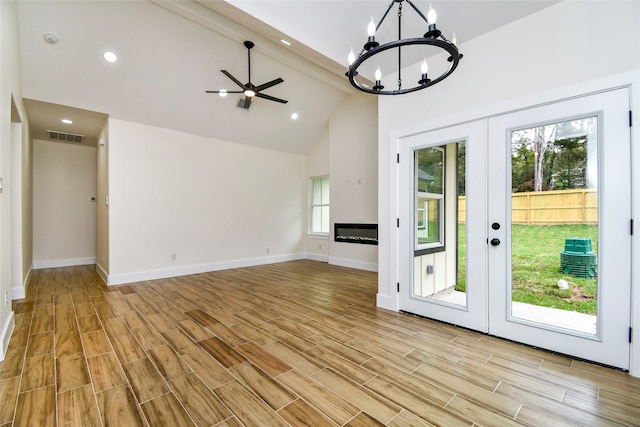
(371, 48)
(249, 90)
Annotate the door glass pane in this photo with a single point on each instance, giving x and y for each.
(461, 223)
(439, 223)
(430, 184)
(554, 224)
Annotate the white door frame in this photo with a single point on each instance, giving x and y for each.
(388, 184)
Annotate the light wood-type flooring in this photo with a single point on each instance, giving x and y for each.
(297, 343)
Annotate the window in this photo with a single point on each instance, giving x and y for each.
(429, 201)
(319, 223)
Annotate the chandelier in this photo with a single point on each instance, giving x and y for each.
(433, 37)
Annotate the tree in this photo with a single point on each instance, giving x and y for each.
(568, 164)
(462, 167)
(522, 164)
(542, 136)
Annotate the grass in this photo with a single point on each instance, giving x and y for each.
(535, 267)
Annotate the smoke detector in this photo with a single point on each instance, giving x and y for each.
(50, 38)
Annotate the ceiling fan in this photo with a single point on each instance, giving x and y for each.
(249, 89)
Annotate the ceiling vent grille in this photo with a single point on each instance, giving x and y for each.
(64, 136)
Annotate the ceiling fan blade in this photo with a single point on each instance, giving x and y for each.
(269, 84)
(236, 81)
(271, 98)
(228, 91)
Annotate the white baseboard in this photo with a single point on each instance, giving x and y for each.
(7, 330)
(69, 262)
(354, 264)
(387, 301)
(317, 257)
(102, 273)
(120, 279)
(20, 293)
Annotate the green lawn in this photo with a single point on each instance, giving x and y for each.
(536, 267)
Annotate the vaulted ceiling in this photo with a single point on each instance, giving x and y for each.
(170, 52)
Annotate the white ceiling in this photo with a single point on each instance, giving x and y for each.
(170, 52)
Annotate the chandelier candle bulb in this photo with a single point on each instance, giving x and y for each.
(378, 77)
(371, 28)
(424, 69)
(371, 40)
(432, 16)
(351, 58)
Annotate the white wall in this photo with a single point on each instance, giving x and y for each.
(214, 204)
(556, 51)
(353, 177)
(317, 247)
(14, 145)
(64, 219)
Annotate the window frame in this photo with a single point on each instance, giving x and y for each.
(313, 206)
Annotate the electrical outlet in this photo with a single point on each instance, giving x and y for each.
(174, 257)
(268, 250)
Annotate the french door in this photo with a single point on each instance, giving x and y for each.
(443, 213)
(518, 225)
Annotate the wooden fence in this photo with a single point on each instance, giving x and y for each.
(578, 206)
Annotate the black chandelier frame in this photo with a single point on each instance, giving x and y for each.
(433, 37)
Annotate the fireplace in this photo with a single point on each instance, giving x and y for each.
(366, 234)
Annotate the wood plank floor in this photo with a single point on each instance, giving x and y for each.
(298, 343)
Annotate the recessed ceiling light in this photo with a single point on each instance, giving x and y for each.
(285, 42)
(67, 121)
(110, 56)
(294, 116)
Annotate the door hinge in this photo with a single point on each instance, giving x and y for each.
(398, 222)
(398, 286)
(398, 158)
(630, 118)
(630, 333)
(632, 227)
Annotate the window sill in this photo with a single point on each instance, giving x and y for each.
(319, 236)
(425, 251)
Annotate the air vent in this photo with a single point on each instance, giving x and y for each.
(64, 136)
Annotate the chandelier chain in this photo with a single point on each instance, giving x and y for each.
(399, 48)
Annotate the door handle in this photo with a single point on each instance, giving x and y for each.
(495, 242)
